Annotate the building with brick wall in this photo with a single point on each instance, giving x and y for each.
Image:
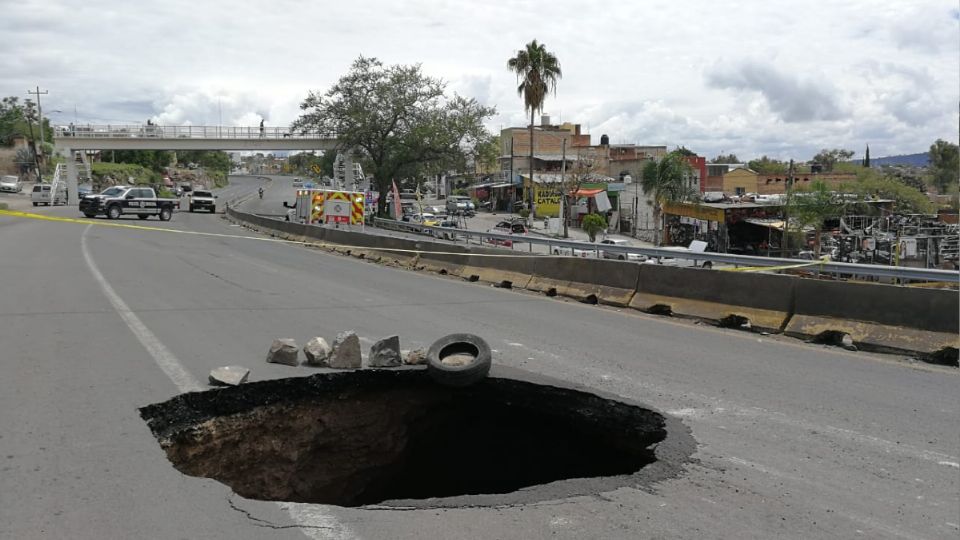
(742, 181)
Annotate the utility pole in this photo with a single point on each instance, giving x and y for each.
(38, 156)
(513, 187)
(563, 187)
(786, 211)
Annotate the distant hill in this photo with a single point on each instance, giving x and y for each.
(913, 160)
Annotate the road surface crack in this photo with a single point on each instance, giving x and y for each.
(269, 524)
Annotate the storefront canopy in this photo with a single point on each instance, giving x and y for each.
(586, 192)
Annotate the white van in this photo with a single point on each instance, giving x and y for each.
(41, 195)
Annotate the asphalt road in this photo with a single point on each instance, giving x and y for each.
(794, 440)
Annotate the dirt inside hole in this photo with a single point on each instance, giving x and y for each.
(369, 437)
(458, 354)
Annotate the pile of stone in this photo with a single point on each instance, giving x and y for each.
(343, 354)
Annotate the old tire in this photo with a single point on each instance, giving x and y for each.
(36, 204)
(707, 265)
(113, 212)
(90, 214)
(165, 214)
(458, 346)
(143, 216)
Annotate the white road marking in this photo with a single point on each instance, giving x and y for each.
(161, 355)
(314, 521)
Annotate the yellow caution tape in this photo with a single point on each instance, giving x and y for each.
(13, 213)
(768, 268)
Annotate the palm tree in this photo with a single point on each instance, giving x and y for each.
(538, 72)
(666, 181)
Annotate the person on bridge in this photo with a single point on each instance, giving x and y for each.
(262, 133)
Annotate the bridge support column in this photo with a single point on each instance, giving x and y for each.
(72, 195)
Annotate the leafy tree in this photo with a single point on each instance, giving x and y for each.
(871, 184)
(154, 160)
(767, 165)
(666, 181)
(593, 224)
(575, 177)
(725, 158)
(210, 160)
(945, 161)
(538, 71)
(684, 151)
(810, 207)
(397, 118)
(25, 160)
(830, 157)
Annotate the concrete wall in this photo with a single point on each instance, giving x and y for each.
(880, 316)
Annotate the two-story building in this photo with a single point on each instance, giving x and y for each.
(743, 181)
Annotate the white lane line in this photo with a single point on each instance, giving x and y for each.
(315, 523)
(161, 355)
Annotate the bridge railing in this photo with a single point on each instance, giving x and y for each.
(142, 131)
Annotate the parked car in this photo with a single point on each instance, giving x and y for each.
(460, 204)
(697, 246)
(513, 228)
(11, 184)
(203, 200)
(575, 252)
(41, 195)
(425, 218)
(617, 255)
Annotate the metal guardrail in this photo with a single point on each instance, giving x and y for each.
(837, 268)
(186, 132)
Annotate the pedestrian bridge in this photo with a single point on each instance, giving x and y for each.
(150, 137)
(70, 139)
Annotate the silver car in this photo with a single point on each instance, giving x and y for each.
(11, 184)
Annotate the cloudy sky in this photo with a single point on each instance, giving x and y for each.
(752, 77)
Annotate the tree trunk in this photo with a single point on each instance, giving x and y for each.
(657, 225)
(816, 240)
(530, 195)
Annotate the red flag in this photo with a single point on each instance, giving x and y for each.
(397, 211)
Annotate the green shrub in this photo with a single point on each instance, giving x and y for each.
(593, 224)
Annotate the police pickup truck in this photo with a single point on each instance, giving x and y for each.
(119, 200)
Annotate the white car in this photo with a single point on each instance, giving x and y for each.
(619, 255)
(697, 246)
(575, 252)
(11, 184)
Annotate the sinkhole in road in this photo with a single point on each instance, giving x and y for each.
(383, 436)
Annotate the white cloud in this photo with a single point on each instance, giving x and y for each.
(708, 75)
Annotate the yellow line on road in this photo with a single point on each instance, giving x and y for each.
(29, 215)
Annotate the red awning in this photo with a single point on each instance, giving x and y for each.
(586, 192)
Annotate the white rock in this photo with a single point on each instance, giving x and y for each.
(317, 351)
(346, 351)
(283, 351)
(229, 375)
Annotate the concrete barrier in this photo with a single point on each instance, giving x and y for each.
(881, 316)
(603, 281)
(515, 269)
(765, 300)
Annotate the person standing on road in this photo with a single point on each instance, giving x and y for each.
(262, 132)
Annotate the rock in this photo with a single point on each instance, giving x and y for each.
(229, 375)
(283, 351)
(317, 351)
(847, 343)
(415, 357)
(346, 351)
(385, 353)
